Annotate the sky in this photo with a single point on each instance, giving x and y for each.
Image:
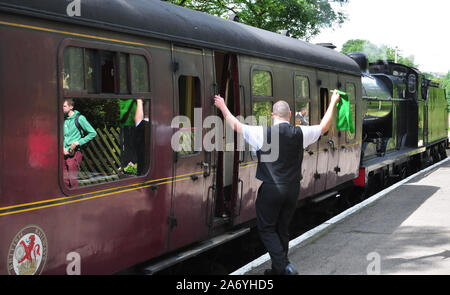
(417, 27)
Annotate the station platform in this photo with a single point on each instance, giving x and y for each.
(404, 229)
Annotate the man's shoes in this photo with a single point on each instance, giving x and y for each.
(290, 270)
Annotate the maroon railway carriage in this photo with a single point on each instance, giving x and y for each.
(104, 57)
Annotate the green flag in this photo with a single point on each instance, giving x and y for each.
(344, 120)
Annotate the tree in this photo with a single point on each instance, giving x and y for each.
(375, 53)
(302, 18)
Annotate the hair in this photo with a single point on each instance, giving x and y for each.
(69, 101)
(281, 109)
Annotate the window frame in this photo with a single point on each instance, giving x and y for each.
(77, 94)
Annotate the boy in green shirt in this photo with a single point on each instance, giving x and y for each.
(73, 140)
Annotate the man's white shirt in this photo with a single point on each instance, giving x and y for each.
(254, 135)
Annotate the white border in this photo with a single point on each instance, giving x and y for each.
(255, 263)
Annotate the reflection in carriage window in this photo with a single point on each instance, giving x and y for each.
(114, 153)
(302, 113)
(189, 98)
(301, 87)
(73, 77)
(123, 69)
(139, 68)
(302, 99)
(262, 83)
(262, 111)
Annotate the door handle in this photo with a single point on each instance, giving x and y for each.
(203, 164)
(331, 144)
(207, 166)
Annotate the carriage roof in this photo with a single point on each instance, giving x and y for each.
(154, 18)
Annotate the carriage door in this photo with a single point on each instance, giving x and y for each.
(328, 155)
(187, 221)
(348, 145)
(305, 117)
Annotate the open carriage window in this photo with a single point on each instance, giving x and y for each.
(350, 90)
(302, 101)
(106, 107)
(189, 103)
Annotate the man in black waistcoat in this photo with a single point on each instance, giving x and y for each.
(280, 154)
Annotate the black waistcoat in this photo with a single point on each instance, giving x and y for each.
(287, 167)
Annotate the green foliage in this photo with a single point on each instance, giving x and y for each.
(262, 83)
(263, 113)
(302, 18)
(375, 53)
(131, 169)
(100, 113)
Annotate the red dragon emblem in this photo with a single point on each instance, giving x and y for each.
(31, 248)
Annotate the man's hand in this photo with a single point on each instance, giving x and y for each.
(66, 152)
(227, 115)
(336, 97)
(219, 102)
(74, 145)
(326, 120)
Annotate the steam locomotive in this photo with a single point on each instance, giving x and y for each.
(406, 121)
(106, 57)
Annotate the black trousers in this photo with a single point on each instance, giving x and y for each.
(275, 207)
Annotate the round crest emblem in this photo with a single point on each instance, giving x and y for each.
(28, 252)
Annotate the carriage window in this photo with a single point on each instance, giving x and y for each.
(262, 83)
(324, 101)
(124, 81)
(262, 111)
(302, 101)
(302, 113)
(140, 73)
(301, 87)
(73, 77)
(350, 90)
(91, 73)
(105, 71)
(189, 99)
(112, 131)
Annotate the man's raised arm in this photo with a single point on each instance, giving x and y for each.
(326, 120)
(227, 115)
